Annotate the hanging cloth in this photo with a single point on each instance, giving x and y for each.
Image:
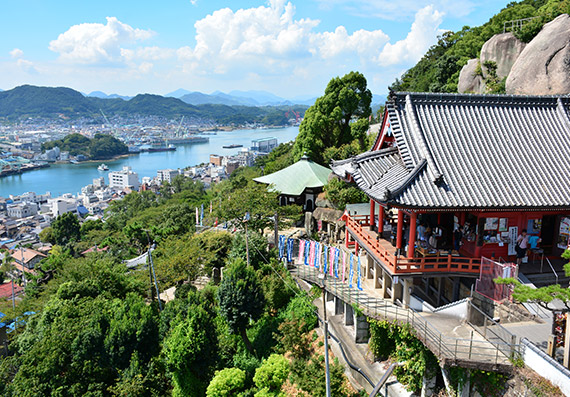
(331, 259)
(336, 258)
(281, 243)
(343, 266)
(289, 250)
(301, 250)
(358, 283)
(351, 271)
(307, 252)
(325, 261)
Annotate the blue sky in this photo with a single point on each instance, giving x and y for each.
(290, 48)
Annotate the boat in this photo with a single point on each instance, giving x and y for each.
(103, 167)
(233, 146)
(159, 149)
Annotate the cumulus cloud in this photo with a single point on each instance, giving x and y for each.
(93, 43)
(16, 53)
(421, 36)
(268, 39)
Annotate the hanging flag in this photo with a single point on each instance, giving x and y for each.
(358, 285)
(336, 258)
(301, 250)
(312, 254)
(290, 243)
(201, 214)
(331, 259)
(197, 217)
(307, 252)
(281, 243)
(317, 262)
(325, 262)
(210, 206)
(343, 265)
(351, 271)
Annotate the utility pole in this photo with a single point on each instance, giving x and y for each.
(246, 242)
(322, 277)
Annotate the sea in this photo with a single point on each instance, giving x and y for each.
(70, 178)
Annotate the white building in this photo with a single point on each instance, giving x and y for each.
(63, 204)
(99, 182)
(167, 175)
(264, 145)
(22, 210)
(126, 178)
(31, 197)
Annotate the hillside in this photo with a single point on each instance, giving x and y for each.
(439, 69)
(49, 102)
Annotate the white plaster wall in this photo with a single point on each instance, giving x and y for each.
(541, 364)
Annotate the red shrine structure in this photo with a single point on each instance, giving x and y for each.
(452, 178)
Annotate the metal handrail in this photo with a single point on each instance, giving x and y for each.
(493, 352)
(552, 268)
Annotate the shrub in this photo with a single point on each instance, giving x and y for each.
(272, 373)
(227, 382)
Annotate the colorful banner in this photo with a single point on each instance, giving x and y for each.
(351, 271)
(358, 284)
(290, 242)
(307, 252)
(325, 261)
(312, 253)
(301, 250)
(281, 243)
(336, 258)
(317, 261)
(343, 265)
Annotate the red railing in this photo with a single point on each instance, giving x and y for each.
(402, 265)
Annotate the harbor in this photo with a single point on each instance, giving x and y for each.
(69, 178)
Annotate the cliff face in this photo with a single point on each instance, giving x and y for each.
(501, 51)
(541, 67)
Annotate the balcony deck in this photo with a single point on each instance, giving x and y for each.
(384, 253)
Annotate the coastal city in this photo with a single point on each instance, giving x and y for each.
(282, 198)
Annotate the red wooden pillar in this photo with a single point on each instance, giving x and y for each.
(346, 237)
(356, 248)
(372, 213)
(400, 231)
(412, 242)
(380, 220)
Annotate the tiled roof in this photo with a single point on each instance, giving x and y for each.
(470, 151)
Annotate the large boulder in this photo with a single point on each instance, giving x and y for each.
(543, 67)
(470, 80)
(503, 49)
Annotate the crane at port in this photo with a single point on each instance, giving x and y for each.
(113, 131)
(176, 134)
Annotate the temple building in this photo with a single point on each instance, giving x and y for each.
(453, 178)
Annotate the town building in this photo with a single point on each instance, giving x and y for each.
(26, 257)
(22, 210)
(216, 159)
(300, 183)
(264, 145)
(167, 175)
(453, 178)
(126, 178)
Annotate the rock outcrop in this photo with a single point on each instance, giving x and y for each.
(543, 67)
(503, 49)
(469, 78)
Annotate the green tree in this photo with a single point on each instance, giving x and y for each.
(66, 229)
(272, 373)
(241, 298)
(227, 382)
(46, 235)
(330, 121)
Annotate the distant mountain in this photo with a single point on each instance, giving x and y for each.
(50, 102)
(179, 93)
(198, 98)
(261, 97)
(102, 95)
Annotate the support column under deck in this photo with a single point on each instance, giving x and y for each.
(412, 240)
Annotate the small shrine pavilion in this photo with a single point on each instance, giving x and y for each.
(452, 178)
(300, 183)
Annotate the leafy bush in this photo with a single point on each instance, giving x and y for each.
(227, 382)
(272, 373)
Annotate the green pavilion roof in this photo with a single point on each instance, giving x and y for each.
(294, 179)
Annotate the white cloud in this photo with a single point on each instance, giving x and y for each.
(95, 43)
(422, 35)
(26, 66)
(16, 53)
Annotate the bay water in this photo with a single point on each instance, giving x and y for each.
(70, 178)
